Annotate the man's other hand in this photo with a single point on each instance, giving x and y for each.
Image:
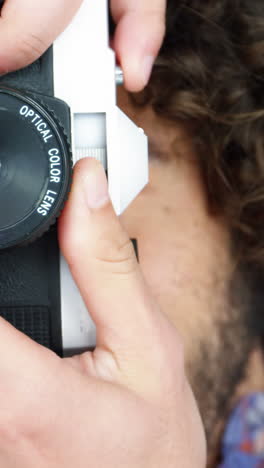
(28, 28)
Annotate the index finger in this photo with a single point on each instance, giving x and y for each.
(28, 28)
(139, 34)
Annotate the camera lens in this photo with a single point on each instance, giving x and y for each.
(22, 178)
(35, 166)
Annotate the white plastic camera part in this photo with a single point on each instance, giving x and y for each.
(85, 78)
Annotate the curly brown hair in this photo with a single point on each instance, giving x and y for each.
(210, 74)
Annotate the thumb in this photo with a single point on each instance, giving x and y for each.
(28, 28)
(103, 263)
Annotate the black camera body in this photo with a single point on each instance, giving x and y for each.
(52, 113)
(35, 177)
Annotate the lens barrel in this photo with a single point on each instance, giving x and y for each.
(35, 168)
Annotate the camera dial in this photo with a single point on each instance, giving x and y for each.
(35, 168)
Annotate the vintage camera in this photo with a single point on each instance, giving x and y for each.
(58, 110)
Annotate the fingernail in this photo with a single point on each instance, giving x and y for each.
(147, 65)
(96, 188)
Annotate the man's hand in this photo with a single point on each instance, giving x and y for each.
(127, 404)
(28, 28)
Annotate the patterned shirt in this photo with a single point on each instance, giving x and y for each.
(243, 443)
